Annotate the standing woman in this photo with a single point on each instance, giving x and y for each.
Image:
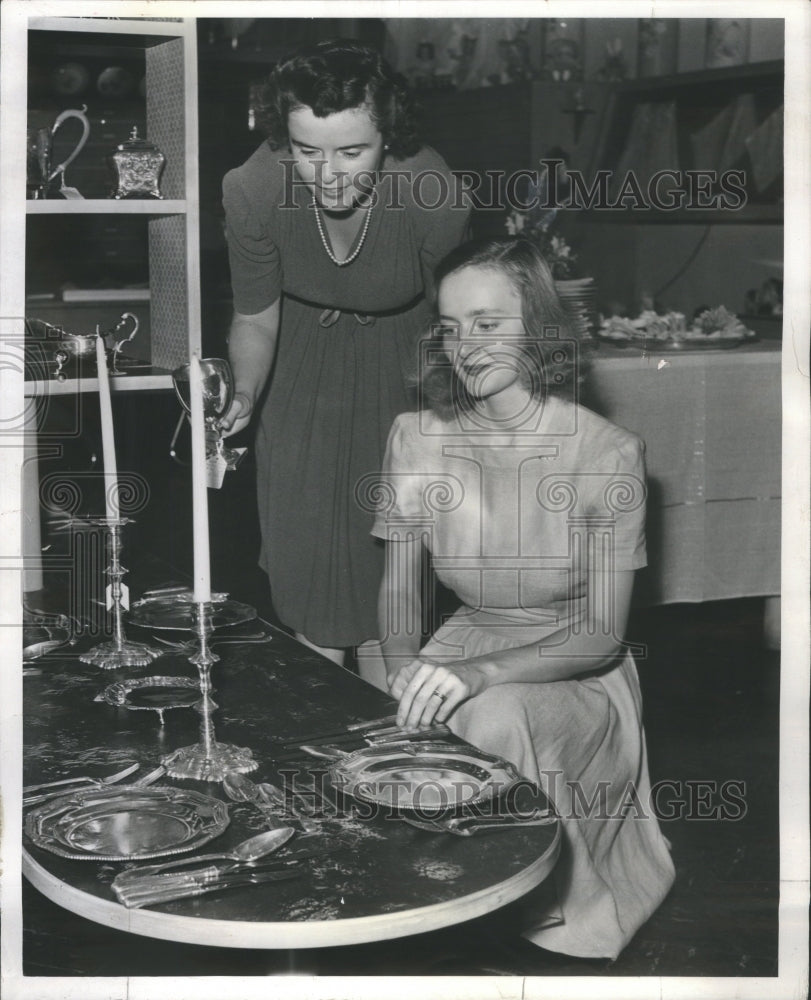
(334, 225)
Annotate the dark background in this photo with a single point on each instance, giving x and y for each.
(710, 684)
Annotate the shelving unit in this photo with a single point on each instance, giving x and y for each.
(697, 96)
(161, 236)
(167, 49)
(748, 215)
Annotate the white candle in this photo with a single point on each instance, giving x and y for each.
(107, 435)
(202, 567)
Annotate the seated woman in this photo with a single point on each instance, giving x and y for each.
(533, 509)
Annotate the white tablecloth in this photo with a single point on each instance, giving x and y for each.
(711, 423)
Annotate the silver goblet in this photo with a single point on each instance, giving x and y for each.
(218, 394)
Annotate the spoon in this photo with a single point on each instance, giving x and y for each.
(246, 852)
(274, 797)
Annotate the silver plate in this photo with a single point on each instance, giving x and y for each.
(152, 693)
(126, 823)
(177, 612)
(670, 345)
(428, 777)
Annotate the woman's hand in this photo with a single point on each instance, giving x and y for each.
(238, 416)
(430, 692)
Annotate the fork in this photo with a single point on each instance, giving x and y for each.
(147, 779)
(238, 788)
(189, 644)
(111, 779)
(466, 826)
(273, 796)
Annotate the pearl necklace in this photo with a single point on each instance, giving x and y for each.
(325, 241)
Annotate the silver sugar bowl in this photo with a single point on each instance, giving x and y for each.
(137, 165)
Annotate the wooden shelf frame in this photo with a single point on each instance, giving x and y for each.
(129, 26)
(151, 382)
(170, 50)
(170, 55)
(108, 206)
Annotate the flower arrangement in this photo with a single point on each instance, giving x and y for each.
(536, 222)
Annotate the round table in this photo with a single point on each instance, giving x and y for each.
(369, 879)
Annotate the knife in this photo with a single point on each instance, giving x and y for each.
(168, 895)
(328, 734)
(381, 737)
(132, 883)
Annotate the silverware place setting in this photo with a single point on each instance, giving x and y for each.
(467, 826)
(69, 785)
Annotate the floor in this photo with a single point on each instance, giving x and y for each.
(711, 695)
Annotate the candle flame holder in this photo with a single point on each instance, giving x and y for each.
(119, 651)
(207, 760)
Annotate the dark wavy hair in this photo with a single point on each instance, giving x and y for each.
(334, 76)
(550, 368)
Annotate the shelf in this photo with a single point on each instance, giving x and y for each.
(151, 380)
(737, 76)
(106, 206)
(749, 215)
(160, 30)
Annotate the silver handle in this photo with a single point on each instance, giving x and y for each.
(72, 113)
(168, 895)
(148, 871)
(468, 827)
(111, 779)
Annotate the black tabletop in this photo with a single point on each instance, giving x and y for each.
(369, 877)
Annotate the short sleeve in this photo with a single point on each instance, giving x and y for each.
(450, 228)
(624, 497)
(256, 269)
(446, 213)
(397, 492)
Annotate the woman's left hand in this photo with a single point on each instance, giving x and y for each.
(430, 692)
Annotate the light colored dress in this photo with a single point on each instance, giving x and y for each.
(511, 526)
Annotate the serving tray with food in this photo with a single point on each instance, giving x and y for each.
(712, 329)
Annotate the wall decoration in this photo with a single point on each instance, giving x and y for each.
(658, 46)
(614, 69)
(727, 42)
(464, 53)
(563, 49)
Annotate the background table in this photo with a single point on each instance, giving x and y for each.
(377, 879)
(711, 422)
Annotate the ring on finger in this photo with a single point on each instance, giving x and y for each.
(437, 694)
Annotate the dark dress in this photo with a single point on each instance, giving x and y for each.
(348, 340)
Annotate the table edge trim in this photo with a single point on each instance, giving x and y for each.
(290, 934)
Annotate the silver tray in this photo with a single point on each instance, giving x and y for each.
(427, 777)
(38, 640)
(177, 612)
(154, 694)
(126, 823)
(668, 345)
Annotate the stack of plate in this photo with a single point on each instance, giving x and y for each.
(579, 298)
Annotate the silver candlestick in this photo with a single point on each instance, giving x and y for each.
(207, 760)
(119, 651)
